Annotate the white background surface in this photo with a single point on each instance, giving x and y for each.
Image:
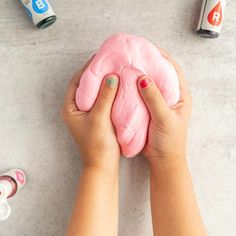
(35, 67)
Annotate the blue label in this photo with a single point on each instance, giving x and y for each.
(40, 6)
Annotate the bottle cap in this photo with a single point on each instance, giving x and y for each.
(18, 175)
(5, 209)
(5, 191)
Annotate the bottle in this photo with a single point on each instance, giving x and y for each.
(10, 183)
(40, 12)
(211, 18)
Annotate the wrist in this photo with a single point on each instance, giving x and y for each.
(167, 163)
(101, 170)
(170, 176)
(100, 161)
(106, 176)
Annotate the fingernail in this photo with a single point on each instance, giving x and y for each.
(144, 83)
(111, 81)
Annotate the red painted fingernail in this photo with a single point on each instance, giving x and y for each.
(144, 83)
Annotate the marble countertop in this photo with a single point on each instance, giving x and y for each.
(35, 67)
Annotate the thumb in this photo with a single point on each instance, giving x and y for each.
(153, 98)
(106, 95)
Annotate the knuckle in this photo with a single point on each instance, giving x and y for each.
(65, 116)
(153, 97)
(164, 118)
(106, 95)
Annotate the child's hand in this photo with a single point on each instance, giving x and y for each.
(93, 131)
(168, 126)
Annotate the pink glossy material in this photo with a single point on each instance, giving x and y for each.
(129, 57)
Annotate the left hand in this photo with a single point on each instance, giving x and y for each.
(168, 127)
(93, 131)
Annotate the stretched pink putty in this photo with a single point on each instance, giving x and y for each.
(129, 57)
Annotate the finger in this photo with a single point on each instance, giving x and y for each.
(106, 95)
(182, 82)
(153, 98)
(72, 87)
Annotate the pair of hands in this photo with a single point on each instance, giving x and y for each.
(94, 132)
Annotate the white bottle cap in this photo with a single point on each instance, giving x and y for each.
(5, 188)
(5, 209)
(5, 191)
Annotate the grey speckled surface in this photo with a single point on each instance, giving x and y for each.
(35, 67)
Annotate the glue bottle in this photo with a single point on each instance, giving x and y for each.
(40, 12)
(10, 183)
(211, 18)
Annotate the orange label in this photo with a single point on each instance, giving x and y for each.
(215, 16)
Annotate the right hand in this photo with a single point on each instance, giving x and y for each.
(93, 131)
(167, 135)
